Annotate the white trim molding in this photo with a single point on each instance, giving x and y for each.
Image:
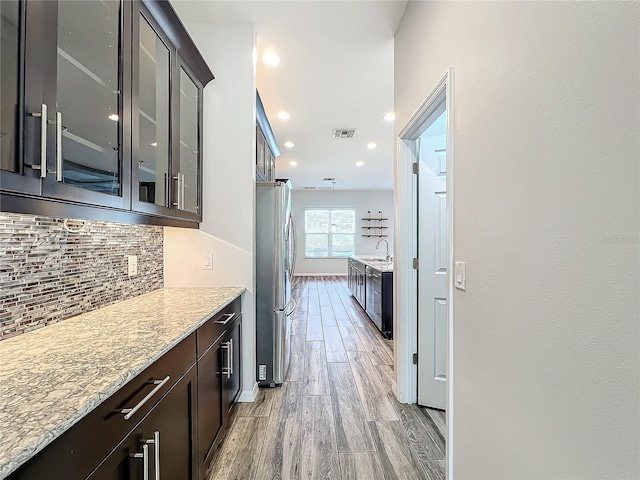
(405, 249)
(249, 396)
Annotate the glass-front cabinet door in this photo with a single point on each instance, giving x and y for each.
(86, 163)
(63, 91)
(18, 173)
(152, 176)
(189, 173)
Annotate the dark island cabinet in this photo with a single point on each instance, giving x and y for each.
(100, 109)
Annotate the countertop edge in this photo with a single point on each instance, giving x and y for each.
(13, 464)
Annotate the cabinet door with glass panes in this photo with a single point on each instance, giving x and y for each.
(155, 187)
(188, 164)
(69, 142)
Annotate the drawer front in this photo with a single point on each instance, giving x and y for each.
(211, 331)
(77, 452)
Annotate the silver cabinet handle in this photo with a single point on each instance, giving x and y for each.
(145, 461)
(166, 190)
(226, 370)
(155, 441)
(231, 356)
(59, 146)
(224, 322)
(43, 141)
(129, 412)
(182, 192)
(177, 196)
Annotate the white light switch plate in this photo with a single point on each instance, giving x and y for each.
(460, 275)
(207, 261)
(132, 263)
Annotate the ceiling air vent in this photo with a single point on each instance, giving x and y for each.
(344, 132)
(309, 188)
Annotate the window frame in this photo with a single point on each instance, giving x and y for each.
(330, 234)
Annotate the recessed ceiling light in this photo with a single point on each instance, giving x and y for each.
(114, 117)
(283, 115)
(289, 144)
(371, 145)
(271, 59)
(389, 117)
(293, 163)
(154, 144)
(359, 164)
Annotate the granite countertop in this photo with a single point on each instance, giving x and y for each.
(379, 263)
(52, 377)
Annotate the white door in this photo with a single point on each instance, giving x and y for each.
(432, 273)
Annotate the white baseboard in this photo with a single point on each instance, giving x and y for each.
(249, 396)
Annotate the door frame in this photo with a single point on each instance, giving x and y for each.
(406, 233)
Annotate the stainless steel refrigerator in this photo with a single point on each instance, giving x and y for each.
(275, 265)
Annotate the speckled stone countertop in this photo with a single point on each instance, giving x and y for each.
(379, 263)
(52, 377)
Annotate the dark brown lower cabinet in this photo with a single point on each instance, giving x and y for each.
(218, 390)
(183, 405)
(209, 402)
(125, 462)
(162, 444)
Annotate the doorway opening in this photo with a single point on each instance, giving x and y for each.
(423, 284)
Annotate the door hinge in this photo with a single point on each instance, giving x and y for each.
(415, 358)
(415, 168)
(416, 263)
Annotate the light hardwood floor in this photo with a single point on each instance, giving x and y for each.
(336, 416)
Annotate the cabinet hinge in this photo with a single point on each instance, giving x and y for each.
(416, 263)
(416, 168)
(415, 358)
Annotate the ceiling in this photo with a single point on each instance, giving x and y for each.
(336, 71)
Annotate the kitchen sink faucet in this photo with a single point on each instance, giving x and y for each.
(378, 245)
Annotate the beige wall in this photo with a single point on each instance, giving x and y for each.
(228, 181)
(362, 201)
(546, 337)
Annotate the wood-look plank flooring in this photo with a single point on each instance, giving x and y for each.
(336, 416)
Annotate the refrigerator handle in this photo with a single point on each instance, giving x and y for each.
(294, 245)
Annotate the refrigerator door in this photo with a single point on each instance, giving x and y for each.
(281, 214)
(273, 281)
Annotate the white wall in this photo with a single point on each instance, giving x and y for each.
(362, 201)
(227, 229)
(546, 337)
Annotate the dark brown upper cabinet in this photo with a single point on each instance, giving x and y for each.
(167, 115)
(266, 145)
(98, 99)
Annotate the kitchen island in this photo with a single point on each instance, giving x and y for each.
(370, 280)
(53, 377)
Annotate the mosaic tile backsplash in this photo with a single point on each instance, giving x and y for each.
(49, 273)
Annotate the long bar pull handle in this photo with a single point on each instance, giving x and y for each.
(230, 357)
(43, 141)
(226, 370)
(145, 461)
(129, 412)
(182, 193)
(177, 192)
(59, 146)
(224, 322)
(155, 441)
(166, 190)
